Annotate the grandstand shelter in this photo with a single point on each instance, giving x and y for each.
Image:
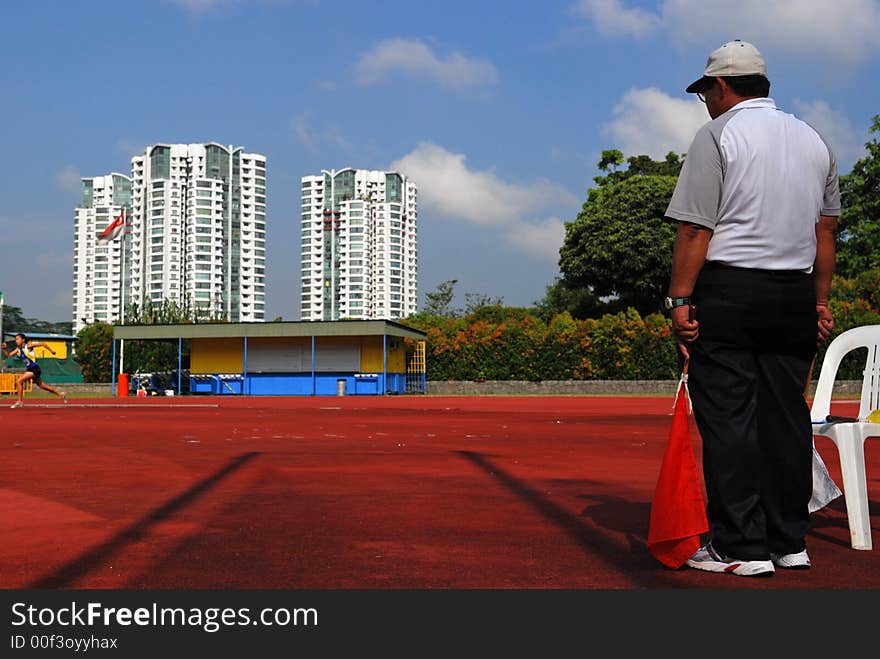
(61, 367)
(345, 357)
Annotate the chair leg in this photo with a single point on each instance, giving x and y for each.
(851, 447)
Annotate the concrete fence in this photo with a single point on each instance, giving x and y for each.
(84, 389)
(842, 389)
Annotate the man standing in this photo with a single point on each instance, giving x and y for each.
(756, 204)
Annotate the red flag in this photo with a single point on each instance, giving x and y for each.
(114, 229)
(678, 511)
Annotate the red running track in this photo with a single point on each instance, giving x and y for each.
(359, 492)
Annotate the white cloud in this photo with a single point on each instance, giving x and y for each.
(299, 126)
(650, 122)
(412, 57)
(847, 143)
(317, 139)
(449, 188)
(541, 239)
(129, 148)
(844, 31)
(611, 17)
(69, 180)
(841, 32)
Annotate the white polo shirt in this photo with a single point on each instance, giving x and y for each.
(759, 178)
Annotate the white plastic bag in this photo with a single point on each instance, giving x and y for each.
(825, 490)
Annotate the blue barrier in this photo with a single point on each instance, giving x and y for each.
(297, 384)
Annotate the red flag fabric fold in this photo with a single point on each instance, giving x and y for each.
(114, 229)
(678, 510)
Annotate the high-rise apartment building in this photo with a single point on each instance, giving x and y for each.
(198, 230)
(359, 245)
(99, 269)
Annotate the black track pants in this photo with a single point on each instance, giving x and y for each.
(747, 377)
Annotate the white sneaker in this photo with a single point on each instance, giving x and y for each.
(64, 397)
(709, 559)
(16, 404)
(798, 561)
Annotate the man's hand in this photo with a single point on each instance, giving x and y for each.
(825, 321)
(685, 327)
(3, 345)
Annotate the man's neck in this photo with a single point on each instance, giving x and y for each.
(736, 100)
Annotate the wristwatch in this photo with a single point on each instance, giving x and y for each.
(671, 302)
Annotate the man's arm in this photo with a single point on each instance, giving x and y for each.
(11, 353)
(823, 270)
(688, 257)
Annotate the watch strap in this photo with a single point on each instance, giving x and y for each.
(673, 302)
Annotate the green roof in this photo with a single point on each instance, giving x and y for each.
(282, 329)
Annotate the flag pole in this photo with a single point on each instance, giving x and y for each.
(2, 361)
(122, 291)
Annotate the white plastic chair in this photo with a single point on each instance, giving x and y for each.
(850, 436)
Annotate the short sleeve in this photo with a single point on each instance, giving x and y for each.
(697, 194)
(831, 200)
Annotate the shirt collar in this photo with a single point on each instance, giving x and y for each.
(755, 103)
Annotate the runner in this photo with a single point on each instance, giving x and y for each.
(27, 353)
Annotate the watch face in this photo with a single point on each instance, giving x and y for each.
(667, 303)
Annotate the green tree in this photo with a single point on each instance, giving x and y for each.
(496, 313)
(165, 312)
(14, 321)
(473, 302)
(620, 246)
(439, 301)
(611, 160)
(155, 356)
(858, 246)
(578, 302)
(94, 352)
(158, 356)
(855, 302)
(636, 166)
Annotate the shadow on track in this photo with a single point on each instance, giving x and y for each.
(641, 569)
(79, 567)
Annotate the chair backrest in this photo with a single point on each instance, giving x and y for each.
(867, 336)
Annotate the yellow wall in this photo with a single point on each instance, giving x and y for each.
(216, 356)
(60, 348)
(371, 355)
(226, 355)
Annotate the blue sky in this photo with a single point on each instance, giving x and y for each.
(498, 111)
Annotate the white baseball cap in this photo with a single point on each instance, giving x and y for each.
(735, 58)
